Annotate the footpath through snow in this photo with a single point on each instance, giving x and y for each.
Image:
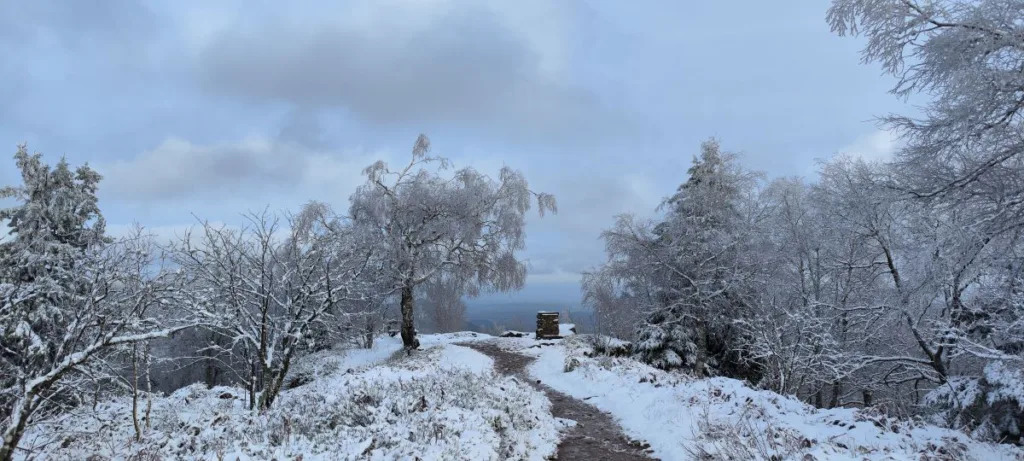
(720, 418)
(446, 402)
(590, 433)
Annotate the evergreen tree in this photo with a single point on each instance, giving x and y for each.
(69, 296)
(56, 220)
(703, 275)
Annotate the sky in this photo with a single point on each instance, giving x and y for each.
(194, 110)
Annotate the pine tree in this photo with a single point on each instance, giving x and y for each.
(68, 294)
(702, 238)
(56, 221)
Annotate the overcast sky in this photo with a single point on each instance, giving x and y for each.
(187, 108)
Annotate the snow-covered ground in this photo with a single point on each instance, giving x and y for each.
(684, 418)
(445, 402)
(442, 403)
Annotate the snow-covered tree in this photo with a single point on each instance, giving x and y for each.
(966, 57)
(268, 290)
(468, 226)
(707, 235)
(688, 274)
(952, 275)
(797, 328)
(619, 292)
(69, 296)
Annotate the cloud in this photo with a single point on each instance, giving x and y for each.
(589, 202)
(162, 235)
(177, 168)
(880, 145)
(254, 167)
(553, 278)
(303, 126)
(74, 24)
(561, 246)
(409, 62)
(221, 180)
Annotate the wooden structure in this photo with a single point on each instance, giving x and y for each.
(547, 325)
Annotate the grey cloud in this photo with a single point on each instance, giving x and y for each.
(231, 176)
(304, 127)
(569, 242)
(112, 25)
(466, 66)
(588, 202)
(179, 169)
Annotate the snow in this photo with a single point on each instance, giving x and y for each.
(383, 347)
(449, 338)
(565, 329)
(443, 402)
(458, 357)
(682, 417)
(1007, 383)
(446, 402)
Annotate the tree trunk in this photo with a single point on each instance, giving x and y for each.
(13, 433)
(7, 448)
(252, 382)
(149, 385)
(370, 331)
(135, 392)
(408, 330)
(702, 347)
(837, 388)
(212, 372)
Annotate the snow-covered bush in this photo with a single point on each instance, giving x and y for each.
(991, 406)
(683, 417)
(409, 407)
(606, 345)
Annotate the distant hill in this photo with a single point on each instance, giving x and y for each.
(522, 316)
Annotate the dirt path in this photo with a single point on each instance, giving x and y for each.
(594, 437)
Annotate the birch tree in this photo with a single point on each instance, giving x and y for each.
(467, 225)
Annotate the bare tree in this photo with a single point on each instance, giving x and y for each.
(965, 56)
(268, 292)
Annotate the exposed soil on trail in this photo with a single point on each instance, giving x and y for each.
(595, 437)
